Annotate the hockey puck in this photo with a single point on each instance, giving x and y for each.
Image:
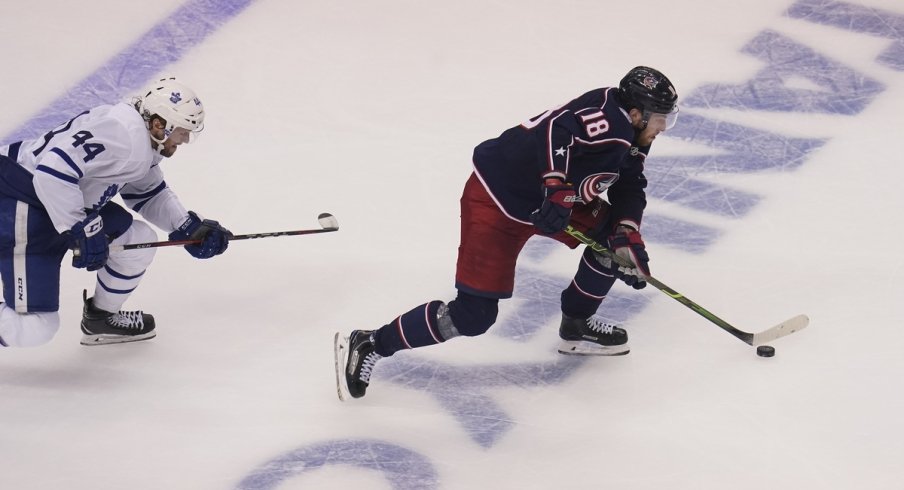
(765, 351)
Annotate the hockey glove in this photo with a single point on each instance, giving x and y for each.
(558, 199)
(214, 237)
(88, 242)
(628, 244)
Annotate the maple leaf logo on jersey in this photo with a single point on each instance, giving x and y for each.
(175, 97)
(105, 197)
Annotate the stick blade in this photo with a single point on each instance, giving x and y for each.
(328, 221)
(787, 327)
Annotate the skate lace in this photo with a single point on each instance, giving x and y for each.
(127, 319)
(367, 366)
(598, 325)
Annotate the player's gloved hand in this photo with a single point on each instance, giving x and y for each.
(88, 242)
(214, 237)
(627, 243)
(558, 199)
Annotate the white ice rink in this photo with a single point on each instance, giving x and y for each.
(778, 193)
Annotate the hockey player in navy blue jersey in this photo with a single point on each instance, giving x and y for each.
(55, 195)
(537, 178)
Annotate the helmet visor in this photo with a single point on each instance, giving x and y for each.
(662, 122)
(184, 135)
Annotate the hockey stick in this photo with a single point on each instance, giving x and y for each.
(787, 327)
(327, 221)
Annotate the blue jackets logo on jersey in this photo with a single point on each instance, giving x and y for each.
(595, 184)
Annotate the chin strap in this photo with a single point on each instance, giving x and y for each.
(159, 143)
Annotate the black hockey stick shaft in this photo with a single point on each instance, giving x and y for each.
(250, 236)
(327, 221)
(785, 328)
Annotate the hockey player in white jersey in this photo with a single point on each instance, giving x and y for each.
(55, 196)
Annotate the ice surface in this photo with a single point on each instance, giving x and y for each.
(776, 194)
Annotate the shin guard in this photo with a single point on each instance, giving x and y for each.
(415, 328)
(590, 286)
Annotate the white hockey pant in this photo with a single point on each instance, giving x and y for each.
(27, 329)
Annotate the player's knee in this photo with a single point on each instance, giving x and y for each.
(142, 232)
(27, 329)
(473, 315)
(135, 259)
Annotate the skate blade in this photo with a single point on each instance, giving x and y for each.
(579, 348)
(340, 356)
(107, 339)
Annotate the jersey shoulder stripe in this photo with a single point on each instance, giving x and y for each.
(59, 175)
(66, 158)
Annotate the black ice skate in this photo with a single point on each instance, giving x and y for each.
(355, 360)
(591, 337)
(102, 327)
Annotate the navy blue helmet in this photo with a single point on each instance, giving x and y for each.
(648, 90)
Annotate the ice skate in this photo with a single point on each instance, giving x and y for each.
(355, 360)
(102, 327)
(591, 337)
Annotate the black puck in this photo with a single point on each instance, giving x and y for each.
(765, 351)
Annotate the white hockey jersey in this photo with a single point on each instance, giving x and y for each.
(84, 163)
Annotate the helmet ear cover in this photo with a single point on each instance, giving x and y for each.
(156, 117)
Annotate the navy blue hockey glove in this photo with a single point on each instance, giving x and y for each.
(558, 199)
(88, 242)
(214, 237)
(628, 244)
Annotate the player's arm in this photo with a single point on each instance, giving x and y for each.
(555, 139)
(154, 200)
(58, 190)
(627, 197)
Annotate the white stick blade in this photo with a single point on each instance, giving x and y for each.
(787, 327)
(328, 221)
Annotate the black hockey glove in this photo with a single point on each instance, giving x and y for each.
(214, 237)
(628, 244)
(558, 199)
(88, 242)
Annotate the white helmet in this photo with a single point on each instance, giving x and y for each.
(174, 102)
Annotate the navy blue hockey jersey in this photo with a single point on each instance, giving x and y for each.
(588, 142)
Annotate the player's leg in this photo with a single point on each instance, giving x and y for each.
(30, 254)
(485, 273)
(580, 331)
(490, 244)
(103, 322)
